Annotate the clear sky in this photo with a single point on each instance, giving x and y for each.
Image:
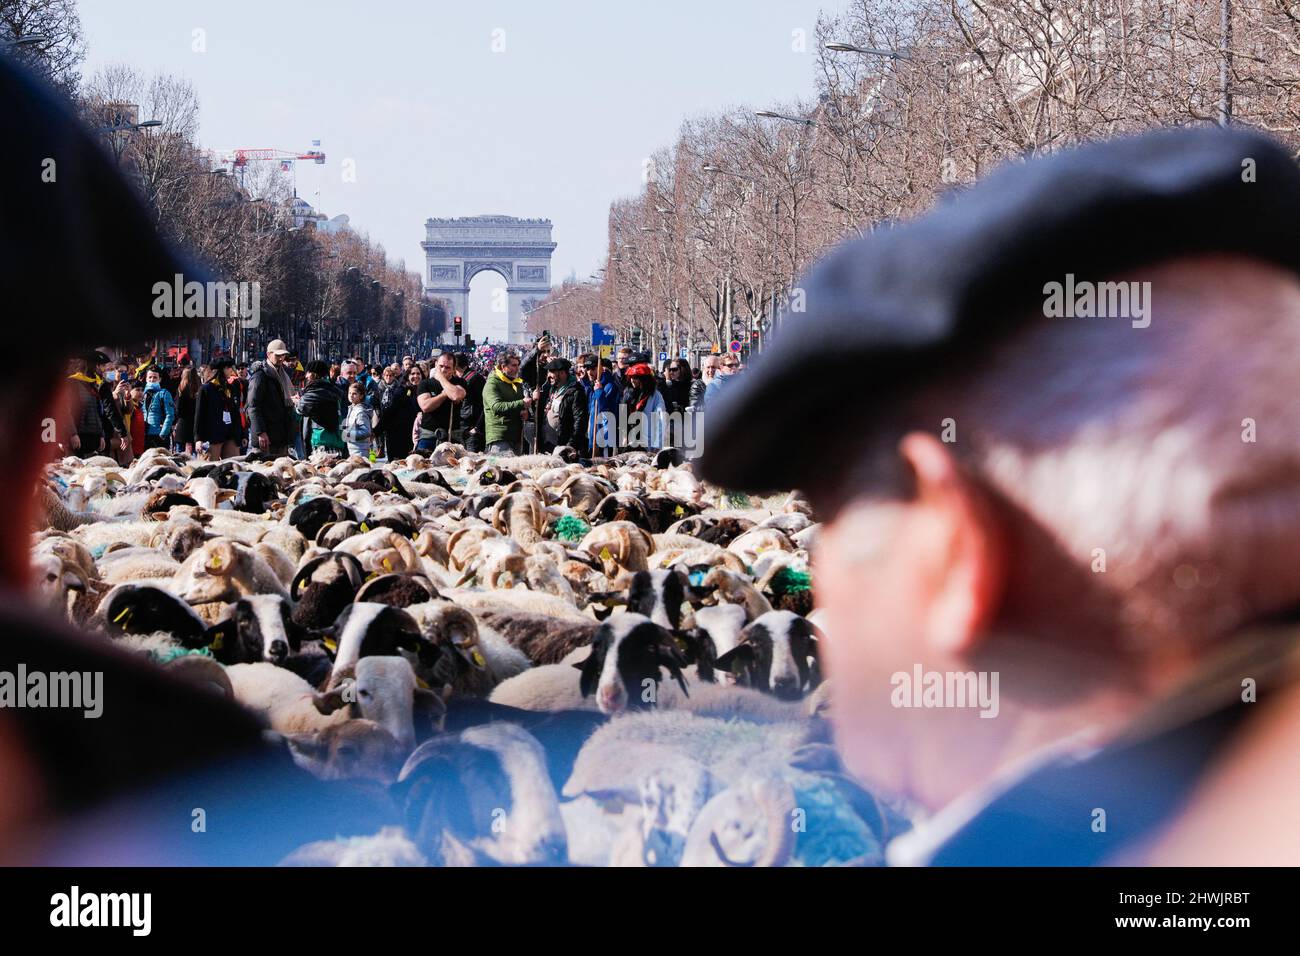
(438, 123)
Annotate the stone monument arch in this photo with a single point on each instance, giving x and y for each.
(455, 250)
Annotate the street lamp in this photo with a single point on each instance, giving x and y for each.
(123, 127)
(840, 47)
(773, 114)
(30, 40)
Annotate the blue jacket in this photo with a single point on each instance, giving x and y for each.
(603, 399)
(159, 411)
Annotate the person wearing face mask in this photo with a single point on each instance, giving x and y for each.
(159, 411)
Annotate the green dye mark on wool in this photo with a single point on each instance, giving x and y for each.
(788, 579)
(176, 652)
(571, 528)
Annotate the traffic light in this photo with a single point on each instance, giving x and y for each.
(458, 326)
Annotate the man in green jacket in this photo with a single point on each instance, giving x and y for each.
(505, 407)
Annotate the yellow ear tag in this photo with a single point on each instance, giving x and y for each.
(218, 642)
(388, 565)
(679, 510)
(216, 561)
(479, 659)
(422, 683)
(330, 645)
(364, 526)
(605, 555)
(124, 617)
(415, 537)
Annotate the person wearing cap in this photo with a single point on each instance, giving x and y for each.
(644, 413)
(159, 410)
(563, 405)
(505, 406)
(216, 413)
(1073, 486)
(270, 401)
(604, 395)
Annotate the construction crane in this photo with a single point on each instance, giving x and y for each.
(240, 158)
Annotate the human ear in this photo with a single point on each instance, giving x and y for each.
(962, 537)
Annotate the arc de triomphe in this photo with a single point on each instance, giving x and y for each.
(455, 250)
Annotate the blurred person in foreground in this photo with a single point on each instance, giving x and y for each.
(115, 781)
(1099, 508)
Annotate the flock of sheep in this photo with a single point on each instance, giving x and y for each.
(543, 663)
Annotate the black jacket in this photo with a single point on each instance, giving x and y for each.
(321, 403)
(677, 395)
(109, 412)
(209, 426)
(572, 410)
(397, 409)
(531, 370)
(471, 410)
(268, 406)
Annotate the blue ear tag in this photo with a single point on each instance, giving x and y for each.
(696, 578)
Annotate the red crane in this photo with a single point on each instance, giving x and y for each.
(238, 159)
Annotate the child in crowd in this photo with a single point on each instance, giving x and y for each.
(359, 425)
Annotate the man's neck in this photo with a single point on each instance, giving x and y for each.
(1080, 701)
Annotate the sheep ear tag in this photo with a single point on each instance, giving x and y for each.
(679, 511)
(218, 638)
(364, 526)
(331, 645)
(605, 555)
(124, 618)
(697, 578)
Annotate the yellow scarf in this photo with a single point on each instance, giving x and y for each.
(82, 377)
(509, 381)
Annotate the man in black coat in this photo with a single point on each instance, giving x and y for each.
(471, 410)
(270, 391)
(563, 404)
